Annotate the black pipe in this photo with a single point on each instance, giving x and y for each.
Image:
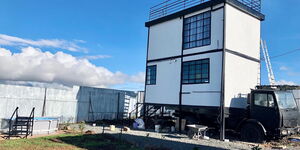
(222, 96)
(181, 75)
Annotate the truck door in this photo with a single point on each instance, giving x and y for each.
(265, 110)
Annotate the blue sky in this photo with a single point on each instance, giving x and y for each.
(116, 29)
(282, 33)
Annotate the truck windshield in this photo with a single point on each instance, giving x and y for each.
(286, 100)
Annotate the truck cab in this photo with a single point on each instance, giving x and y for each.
(272, 113)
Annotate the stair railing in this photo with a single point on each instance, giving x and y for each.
(154, 112)
(136, 110)
(15, 113)
(30, 123)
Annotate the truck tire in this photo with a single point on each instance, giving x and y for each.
(252, 133)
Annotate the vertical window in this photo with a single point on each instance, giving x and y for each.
(151, 75)
(196, 30)
(196, 72)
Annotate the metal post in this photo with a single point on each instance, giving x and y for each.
(44, 104)
(222, 97)
(118, 105)
(146, 107)
(181, 76)
(180, 112)
(136, 109)
(91, 111)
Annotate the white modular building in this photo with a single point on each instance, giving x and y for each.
(203, 53)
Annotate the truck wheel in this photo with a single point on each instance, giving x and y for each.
(252, 133)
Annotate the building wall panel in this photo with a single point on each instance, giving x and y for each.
(205, 94)
(165, 39)
(242, 32)
(166, 90)
(216, 33)
(241, 75)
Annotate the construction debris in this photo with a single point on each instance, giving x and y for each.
(126, 129)
(112, 128)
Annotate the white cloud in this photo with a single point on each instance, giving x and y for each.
(283, 68)
(80, 41)
(139, 78)
(4, 52)
(31, 64)
(53, 43)
(284, 82)
(36, 84)
(95, 57)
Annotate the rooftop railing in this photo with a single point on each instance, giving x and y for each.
(172, 6)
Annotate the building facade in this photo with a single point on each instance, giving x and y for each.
(205, 54)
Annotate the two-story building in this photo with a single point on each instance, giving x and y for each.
(203, 54)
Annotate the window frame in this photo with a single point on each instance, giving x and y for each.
(189, 30)
(268, 100)
(208, 72)
(147, 73)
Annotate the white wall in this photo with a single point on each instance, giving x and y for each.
(165, 39)
(216, 32)
(240, 76)
(242, 32)
(243, 36)
(205, 94)
(166, 90)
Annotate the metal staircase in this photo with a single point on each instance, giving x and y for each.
(20, 126)
(152, 111)
(135, 113)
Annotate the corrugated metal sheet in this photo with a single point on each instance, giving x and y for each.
(297, 96)
(73, 105)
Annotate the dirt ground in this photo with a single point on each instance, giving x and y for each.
(150, 140)
(68, 141)
(182, 142)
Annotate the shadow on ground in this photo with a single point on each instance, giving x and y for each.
(127, 142)
(149, 143)
(94, 142)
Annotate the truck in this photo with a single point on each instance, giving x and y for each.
(269, 113)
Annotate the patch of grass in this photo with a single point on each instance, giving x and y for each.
(67, 142)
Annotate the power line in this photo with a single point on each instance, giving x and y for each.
(283, 54)
(286, 53)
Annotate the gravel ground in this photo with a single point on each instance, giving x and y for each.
(175, 141)
(169, 141)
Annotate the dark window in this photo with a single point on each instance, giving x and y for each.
(263, 99)
(151, 75)
(195, 72)
(197, 30)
